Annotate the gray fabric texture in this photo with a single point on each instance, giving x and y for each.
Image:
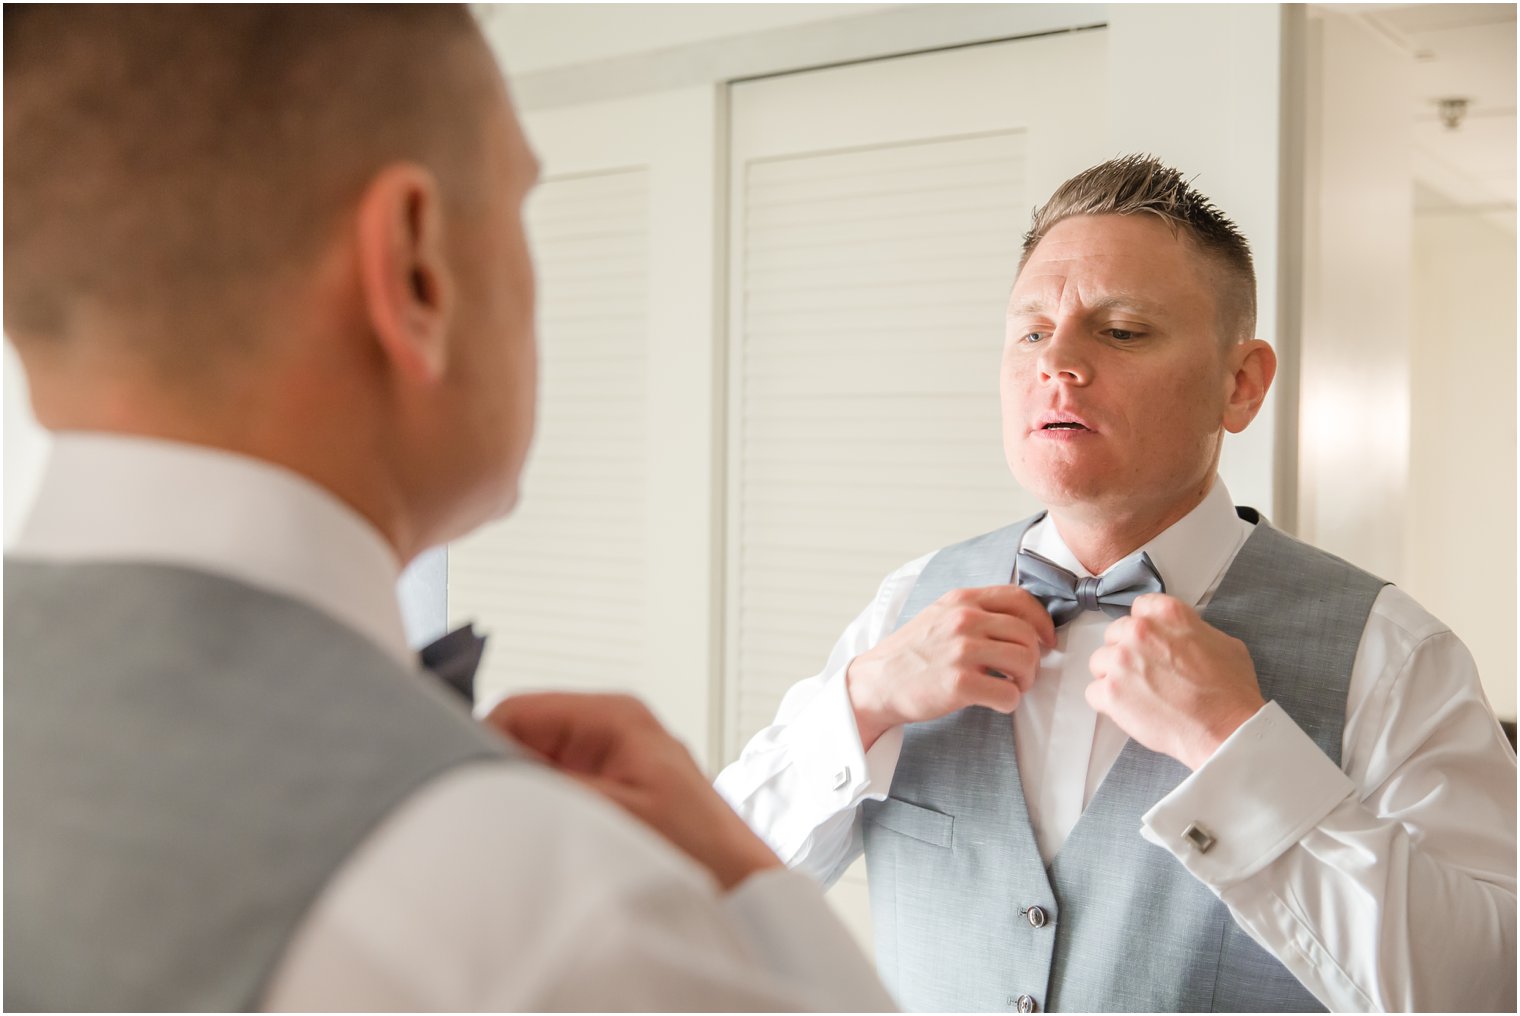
(952, 859)
(187, 761)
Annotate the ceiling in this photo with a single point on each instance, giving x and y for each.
(1454, 50)
(1459, 51)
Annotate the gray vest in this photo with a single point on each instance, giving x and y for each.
(952, 860)
(187, 761)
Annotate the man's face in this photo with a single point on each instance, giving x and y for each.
(1114, 383)
(494, 372)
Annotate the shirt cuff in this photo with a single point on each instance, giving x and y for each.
(826, 741)
(1264, 788)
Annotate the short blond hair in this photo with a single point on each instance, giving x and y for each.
(164, 163)
(1137, 184)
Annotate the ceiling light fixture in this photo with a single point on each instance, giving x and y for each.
(1452, 111)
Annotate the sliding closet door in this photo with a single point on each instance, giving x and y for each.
(876, 217)
(602, 578)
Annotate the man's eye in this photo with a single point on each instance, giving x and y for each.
(1034, 336)
(1123, 335)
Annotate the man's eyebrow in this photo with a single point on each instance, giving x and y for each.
(1112, 301)
(1126, 301)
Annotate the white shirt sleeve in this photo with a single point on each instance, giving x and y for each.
(800, 782)
(1389, 886)
(511, 888)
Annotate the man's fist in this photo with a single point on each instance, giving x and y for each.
(1172, 682)
(948, 657)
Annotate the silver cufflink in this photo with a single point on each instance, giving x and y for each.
(1199, 837)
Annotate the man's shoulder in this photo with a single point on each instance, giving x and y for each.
(78, 597)
(1282, 547)
(1393, 606)
(1401, 613)
(159, 627)
(489, 835)
(1393, 611)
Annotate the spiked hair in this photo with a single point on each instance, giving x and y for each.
(1137, 184)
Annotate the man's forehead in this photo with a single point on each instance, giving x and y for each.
(1112, 258)
(1076, 269)
(1108, 238)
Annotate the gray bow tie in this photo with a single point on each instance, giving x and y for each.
(454, 658)
(1066, 596)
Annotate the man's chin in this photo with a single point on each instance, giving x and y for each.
(501, 502)
(484, 508)
(1067, 488)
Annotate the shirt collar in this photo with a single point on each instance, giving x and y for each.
(1191, 555)
(107, 497)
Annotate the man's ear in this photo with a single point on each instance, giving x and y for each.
(404, 270)
(1252, 366)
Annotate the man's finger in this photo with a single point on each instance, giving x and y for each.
(1010, 628)
(1098, 694)
(1010, 599)
(1158, 605)
(536, 721)
(1018, 662)
(573, 731)
(1119, 629)
(1000, 693)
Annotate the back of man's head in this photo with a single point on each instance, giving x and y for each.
(168, 168)
(1137, 184)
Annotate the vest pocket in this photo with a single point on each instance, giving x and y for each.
(933, 827)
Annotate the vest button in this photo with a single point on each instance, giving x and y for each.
(1026, 1004)
(1036, 917)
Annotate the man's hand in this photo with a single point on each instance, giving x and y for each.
(1172, 682)
(943, 660)
(613, 744)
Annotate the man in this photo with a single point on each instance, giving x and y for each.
(266, 271)
(1240, 774)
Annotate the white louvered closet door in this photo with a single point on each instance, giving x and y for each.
(877, 215)
(601, 579)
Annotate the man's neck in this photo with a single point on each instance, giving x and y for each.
(1100, 537)
(242, 424)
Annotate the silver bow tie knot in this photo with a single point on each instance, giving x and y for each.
(1065, 595)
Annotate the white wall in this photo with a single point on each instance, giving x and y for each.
(568, 54)
(1460, 520)
(1353, 442)
(533, 37)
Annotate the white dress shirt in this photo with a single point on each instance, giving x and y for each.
(1387, 883)
(539, 895)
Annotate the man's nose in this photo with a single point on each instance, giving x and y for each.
(1062, 359)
